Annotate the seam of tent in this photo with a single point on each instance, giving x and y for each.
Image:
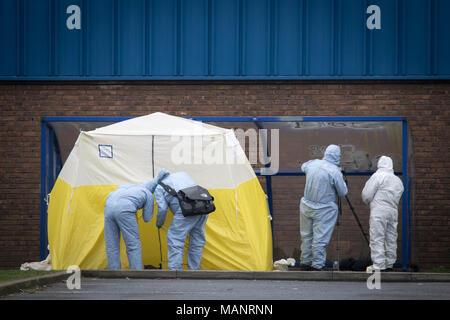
(235, 189)
(70, 202)
(153, 156)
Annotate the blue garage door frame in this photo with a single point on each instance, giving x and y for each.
(51, 165)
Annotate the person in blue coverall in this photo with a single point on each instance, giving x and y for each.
(120, 217)
(318, 208)
(181, 226)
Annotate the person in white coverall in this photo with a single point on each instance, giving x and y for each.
(383, 191)
(120, 217)
(181, 226)
(318, 208)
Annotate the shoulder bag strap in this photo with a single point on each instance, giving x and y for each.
(169, 190)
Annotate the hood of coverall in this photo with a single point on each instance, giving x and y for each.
(385, 163)
(332, 154)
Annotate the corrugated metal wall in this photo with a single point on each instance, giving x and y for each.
(223, 39)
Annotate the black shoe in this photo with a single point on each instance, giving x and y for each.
(387, 270)
(304, 267)
(323, 269)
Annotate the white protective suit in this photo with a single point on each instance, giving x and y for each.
(318, 208)
(383, 191)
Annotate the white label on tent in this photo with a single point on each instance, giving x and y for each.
(105, 151)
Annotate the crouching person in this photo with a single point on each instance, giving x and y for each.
(181, 226)
(120, 217)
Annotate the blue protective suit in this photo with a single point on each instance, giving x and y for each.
(120, 216)
(181, 226)
(318, 208)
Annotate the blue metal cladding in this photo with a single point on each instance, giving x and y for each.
(223, 39)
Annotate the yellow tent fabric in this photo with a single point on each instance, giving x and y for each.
(238, 233)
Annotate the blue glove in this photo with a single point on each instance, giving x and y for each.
(152, 186)
(149, 184)
(163, 173)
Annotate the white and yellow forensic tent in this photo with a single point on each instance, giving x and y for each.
(238, 233)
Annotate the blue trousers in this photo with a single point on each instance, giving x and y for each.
(316, 228)
(179, 229)
(125, 223)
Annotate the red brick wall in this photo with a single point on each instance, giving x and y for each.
(426, 105)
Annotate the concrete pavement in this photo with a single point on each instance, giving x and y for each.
(114, 289)
(96, 284)
(268, 275)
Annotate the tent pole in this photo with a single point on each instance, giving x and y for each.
(405, 214)
(153, 157)
(43, 189)
(269, 199)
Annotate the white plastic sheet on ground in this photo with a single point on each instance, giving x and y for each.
(283, 264)
(45, 265)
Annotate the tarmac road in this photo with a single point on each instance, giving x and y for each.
(217, 289)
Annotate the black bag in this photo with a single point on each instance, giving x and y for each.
(193, 201)
(351, 264)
